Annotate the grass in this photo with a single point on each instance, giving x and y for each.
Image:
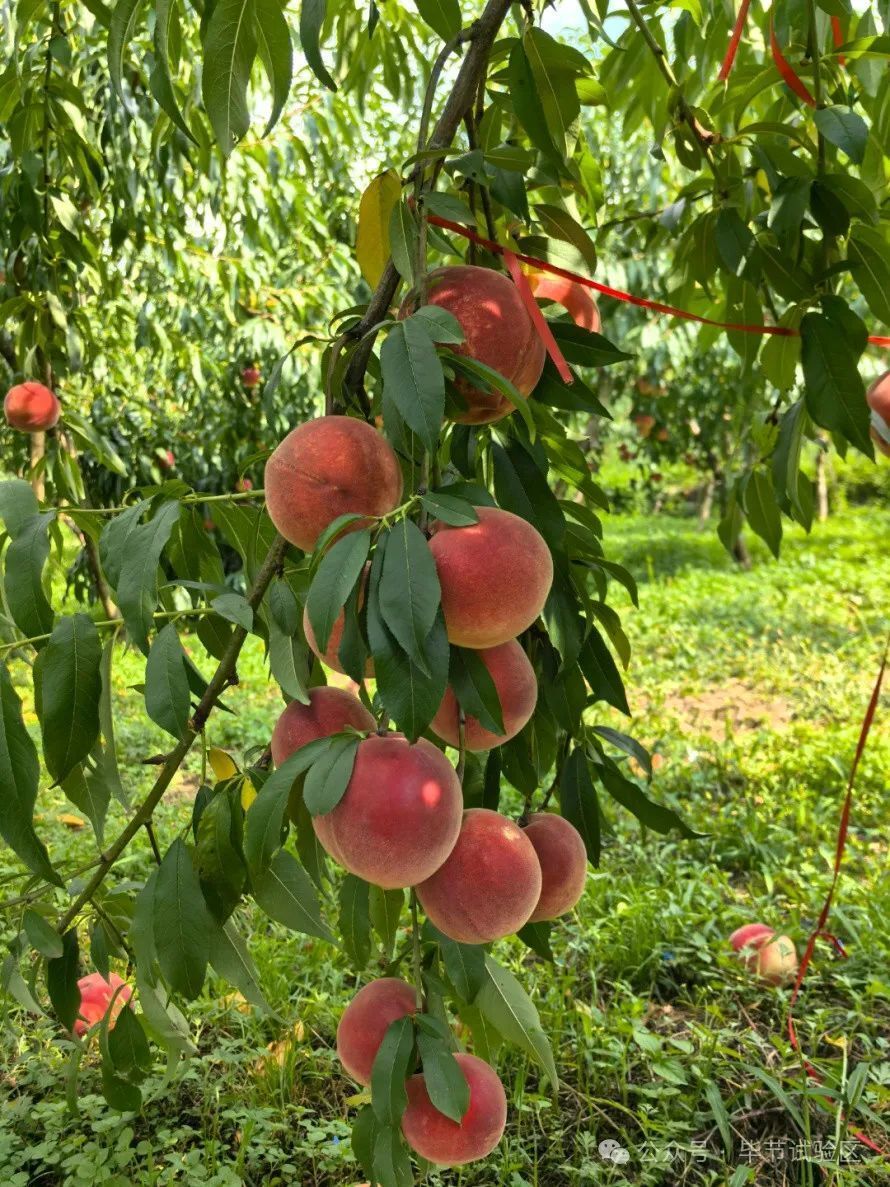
(750, 687)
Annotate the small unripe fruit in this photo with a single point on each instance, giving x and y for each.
(400, 815)
(563, 859)
(365, 1020)
(444, 1142)
(250, 377)
(490, 884)
(166, 459)
(495, 576)
(31, 407)
(326, 468)
(498, 331)
(517, 689)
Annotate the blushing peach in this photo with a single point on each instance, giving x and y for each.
(329, 711)
(325, 468)
(444, 1142)
(498, 331)
(495, 577)
(563, 860)
(95, 994)
(490, 884)
(517, 689)
(365, 1021)
(31, 407)
(751, 935)
(777, 960)
(400, 815)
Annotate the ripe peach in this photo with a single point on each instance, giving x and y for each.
(498, 331)
(326, 468)
(400, 815)
(563, 860)
(517, 689)
(166, 459)
(878, 396)
(31, 407)
(645, 424)
(777, 960)
(330, 656)
(751, 935)
(365, 1020)
(495, 577)
(451, 1143)
(881, 443)
(329, 711)
(572, 296)
(250, 377)
(95, 994)
(490, 884)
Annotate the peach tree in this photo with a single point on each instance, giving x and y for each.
(428, 526)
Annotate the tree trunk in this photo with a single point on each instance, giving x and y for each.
(822, 484)
(706, 505)
(741, 553)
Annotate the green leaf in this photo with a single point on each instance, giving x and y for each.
(355, 920)
(844, 128)
(276, 54)
(18, 504)
(790, 200)
(42, 936)
(442, 16)
(392, 1166)
(13, 983)
(736, 244)
(110, 769)
(265, 817)
(128, 1047)
(762, 510)
(137, 586)
(464, 964)
(787, 453)
(123, 25)
(869, 256)
(554, 75)
(408, 593)
(384, 911)
(450, 509)
(161, 81)
(521, 487)
(336, 576)
(230, 46)
(403, 235)
(88, 791)
(25, 560)
(329, 775)
(835, 393)
(445, 1081)
(231, 960)
(286, 894)
(218, 859)
(627, 744)
(167, 700)
(527, 103)
(475, 690)
(234, 608)
(781, 354)
(182, 925)
(19, 774)
(578, 802)
(559, 224)
(511, 1011)
(71, 687)
(289, 663)
(537, 937)
(312, 16)
(61, 980)
(632, 797)
(390, 1071)
(413, 380)
(584, 347)
(601, 673)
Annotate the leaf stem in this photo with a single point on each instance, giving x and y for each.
(415, 951)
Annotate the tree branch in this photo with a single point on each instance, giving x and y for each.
(481, 36)
(218, 684)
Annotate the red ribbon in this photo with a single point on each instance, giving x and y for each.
(819, 929)
(619, 294)
(737, 30)
(534, 310)
(837, 34)
(786, 69)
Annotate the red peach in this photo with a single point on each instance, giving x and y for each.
(490, 884)
(250, 377)
(563, 860)
(329, 711)
(365, 1021)
(400, 815)
(777, 960)
(498, 331)
(95, 994)
(495, 577)
(326, 468)
(751, 935)
(517, 689)
(31, 407)
(444, 1142)
(574, 297)
(878, 396)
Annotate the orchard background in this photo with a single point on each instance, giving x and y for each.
(223, 221)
